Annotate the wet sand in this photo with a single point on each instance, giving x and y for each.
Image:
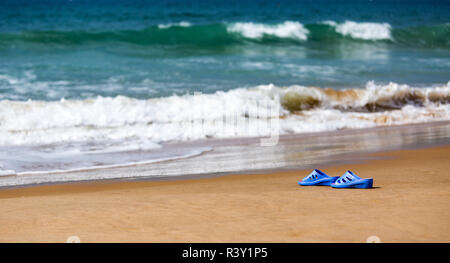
(246, 155)
(410, 203)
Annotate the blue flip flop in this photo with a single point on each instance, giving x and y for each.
(351, 180)
(317, 177)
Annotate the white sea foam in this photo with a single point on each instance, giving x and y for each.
(192, 153)
(296, 30)
(10, 80)
(4, 173)
(26, 77)
(179, 24)
(362, 30)
(135, 122)
(288, 29)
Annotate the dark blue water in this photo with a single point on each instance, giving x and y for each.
(53, 49)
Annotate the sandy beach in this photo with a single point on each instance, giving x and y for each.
(410, 203)
(193, 121)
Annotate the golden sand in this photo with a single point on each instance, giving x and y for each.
(410, 203)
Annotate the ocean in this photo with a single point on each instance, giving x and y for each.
(82, 82)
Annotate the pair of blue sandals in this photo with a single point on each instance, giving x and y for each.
(348, 180)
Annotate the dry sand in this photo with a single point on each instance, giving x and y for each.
(411, 203)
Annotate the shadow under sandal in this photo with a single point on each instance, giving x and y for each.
(351, 180)
(317, 177)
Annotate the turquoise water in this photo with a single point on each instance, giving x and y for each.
(107, 83)
(53, 49)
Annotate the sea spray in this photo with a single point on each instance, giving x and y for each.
(300, 109)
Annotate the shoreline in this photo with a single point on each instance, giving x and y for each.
(268, 207)
(366, 156)
(246, 156)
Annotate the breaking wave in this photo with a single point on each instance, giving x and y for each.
(300, 109)
(223, 34)
(288, 29)
(365, 31)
